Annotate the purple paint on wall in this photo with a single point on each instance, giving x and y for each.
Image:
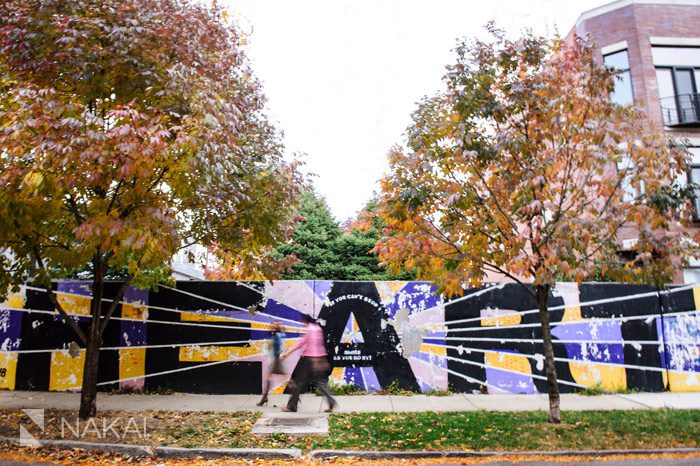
(682, 342)
(266, 334)
(436, 361)
(275, 309)
(363, 377)
(321, 287)
(509, 382)
(592, 331)
(10, 329)
(415, 296)
(133, 333)
(279, 310)
(500, 380)
(79, 288)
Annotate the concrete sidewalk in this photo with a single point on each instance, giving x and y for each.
(361, 403)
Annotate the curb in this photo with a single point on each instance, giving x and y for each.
(294, 453)
(127, 450)
(242, 453)
(168, 452)
(378, 455)
(381, 455)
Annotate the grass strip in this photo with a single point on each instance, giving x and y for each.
(488, 430)
(472, 430)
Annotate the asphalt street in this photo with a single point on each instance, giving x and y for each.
(633, 462)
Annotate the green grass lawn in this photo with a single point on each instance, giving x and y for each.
(473, 430)
(485, 430)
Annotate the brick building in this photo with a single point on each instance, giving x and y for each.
(656, 45)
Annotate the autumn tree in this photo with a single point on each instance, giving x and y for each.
(128, 129)
(354, 248)
(523, 167)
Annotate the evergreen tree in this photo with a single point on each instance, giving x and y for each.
(354, 249)
(325, 252)
(312, 243)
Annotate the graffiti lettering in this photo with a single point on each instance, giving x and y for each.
(358, 297)
(3, 372)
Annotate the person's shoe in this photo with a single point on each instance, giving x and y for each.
(262, 402)
(287, 409)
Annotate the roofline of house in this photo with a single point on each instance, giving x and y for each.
(612, 6)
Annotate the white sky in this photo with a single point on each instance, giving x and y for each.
(343, 76)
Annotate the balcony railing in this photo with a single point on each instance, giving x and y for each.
(681, 110)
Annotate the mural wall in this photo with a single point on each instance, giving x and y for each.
(211, 337)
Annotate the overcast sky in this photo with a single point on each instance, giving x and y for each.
(343, 76)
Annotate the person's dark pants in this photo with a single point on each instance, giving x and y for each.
(305, 375)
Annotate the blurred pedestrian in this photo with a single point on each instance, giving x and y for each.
(313, 366)
(275, 366)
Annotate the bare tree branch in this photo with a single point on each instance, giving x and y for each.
(52, 296)
(118, 298)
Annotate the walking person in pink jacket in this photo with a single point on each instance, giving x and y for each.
(313, 365)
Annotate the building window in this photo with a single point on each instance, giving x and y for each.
(622, 94)
(691, 274)
(694, 177)
(631, 189)
(678, 79)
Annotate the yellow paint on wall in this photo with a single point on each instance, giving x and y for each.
(606, 376)
(680, 381)
(16, 300)
(696, 296)
(198, 317)
(509, 361)
(434, 349)
(135, 311)
(8, 361)
(74, 305)
(571, 314)
(220, 353)
(513, 318)
(66, 371)
(132, 362)
(338, 375)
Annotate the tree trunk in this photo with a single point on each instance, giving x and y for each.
(88, 391)
(542, 292)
